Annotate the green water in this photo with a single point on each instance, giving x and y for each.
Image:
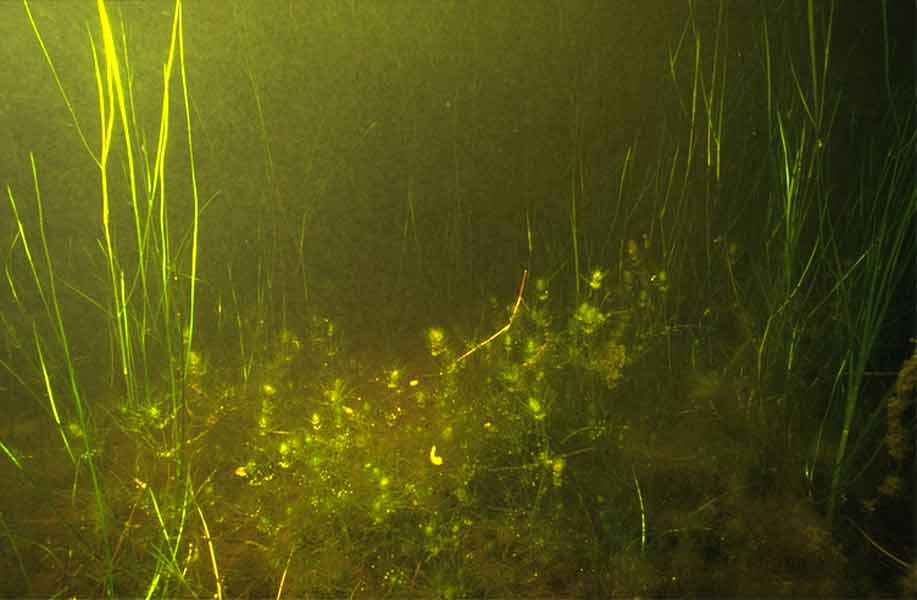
(457, 300)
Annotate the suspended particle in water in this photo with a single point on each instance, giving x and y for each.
(436, 460)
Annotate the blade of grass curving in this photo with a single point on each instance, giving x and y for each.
(22, 238)
(692, 122)
(186, 97)
(886, 64)
(794, 215)
(19, 562)
(889, 214)
(713, 98)
(574, 237)
(57, 79)
(171, 323)
(625, 171)
(9, 280)
(129, 326)
(768, 75)
(213, 557)
(141, 212)
(50, 301)
(82, 413)
(813, 69)
(818, 70)
(154, 582)
(49, 390)
(168, 560)
(11, 455)
(105, 93)
(672, 56)
(283, 576)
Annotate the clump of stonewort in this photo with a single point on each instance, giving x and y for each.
(897, 440)
(908, 582)
(897, 437)
(906, 383)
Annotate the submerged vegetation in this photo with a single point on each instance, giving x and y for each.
(708, 393)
